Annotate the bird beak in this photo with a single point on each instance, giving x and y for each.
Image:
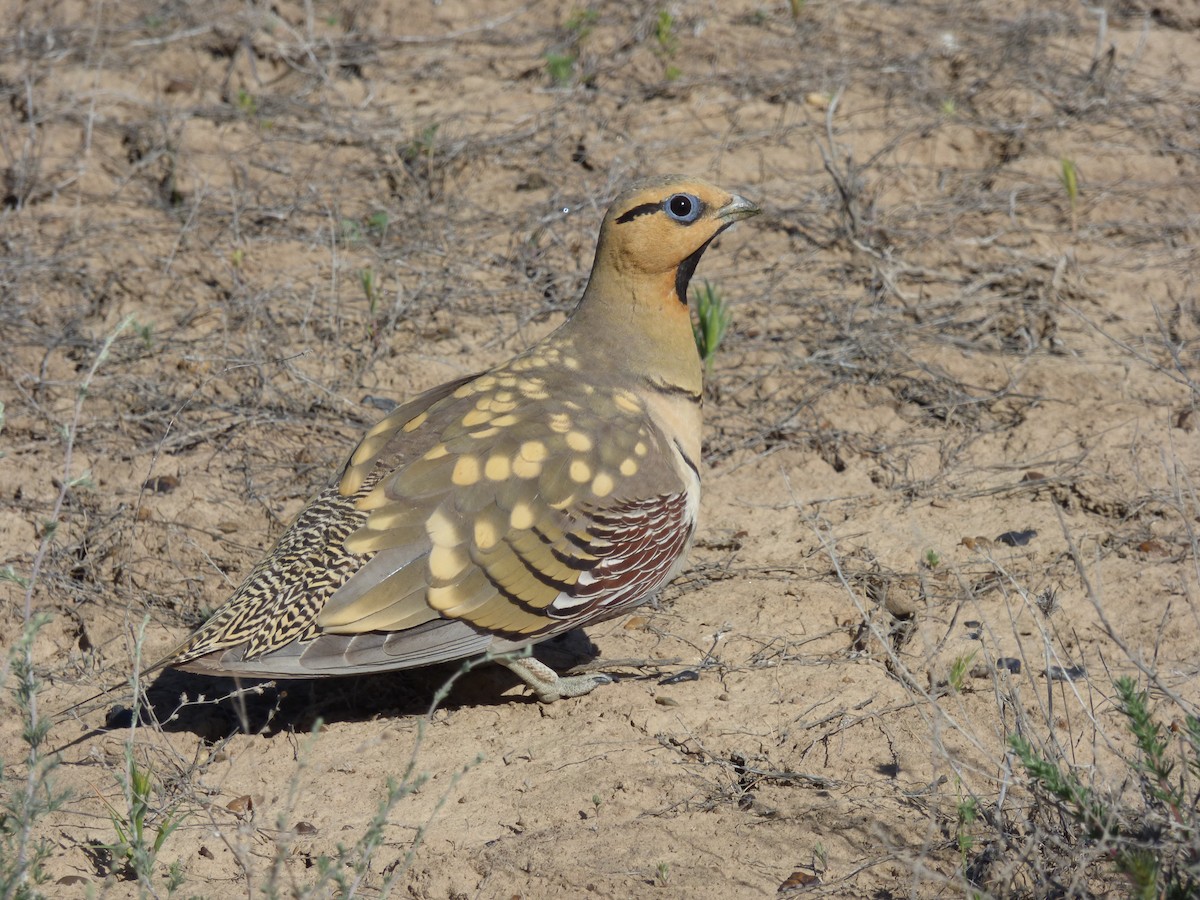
(737, 208)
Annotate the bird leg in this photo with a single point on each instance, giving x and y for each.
(549, 685)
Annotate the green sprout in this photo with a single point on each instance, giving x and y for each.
(662, 873)
(1070, 182)
(137, 844)
(246, 103)
(664, 32)
(561, 63)
(712, 321)
(366, 277)
(560, 67)
(958, 671)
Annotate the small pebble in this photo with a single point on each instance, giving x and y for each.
(383, 404)
(678, 677)
(1069, 673)
(161, 484)
(1017, 538)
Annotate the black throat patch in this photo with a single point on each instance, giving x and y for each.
(687, 268)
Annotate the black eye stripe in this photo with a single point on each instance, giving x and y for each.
(644, 210)
(683, 208)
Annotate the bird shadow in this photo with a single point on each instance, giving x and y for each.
(214, 708)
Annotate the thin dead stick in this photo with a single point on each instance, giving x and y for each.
(1093, 596)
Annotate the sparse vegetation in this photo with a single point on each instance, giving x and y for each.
(1070, 183)
(967, 814)
(28, 799)
(138, 842)
(233, 236)
(561, 67)
(246, 104)
(711, 321)
(958, 671)
(1152, 840)
(668, 43)
(664, 32)
(366, 277)
(561, 63)
(662, 874)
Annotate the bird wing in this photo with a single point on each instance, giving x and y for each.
(484, 514)
(529, 515)
(277, 603)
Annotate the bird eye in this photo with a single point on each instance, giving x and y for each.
(683, 208)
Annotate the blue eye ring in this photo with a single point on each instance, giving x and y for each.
(685, 208)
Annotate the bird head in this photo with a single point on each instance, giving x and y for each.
(633, 316)
(661, 227)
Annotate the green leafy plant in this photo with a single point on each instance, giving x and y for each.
(26, 800)
(426, 142)
(371, 290)
(1154, 845)
(377, 223)
(561, 63)
(8, 573)
(711, 322)
(138, 842)
(351, 231)
(246, 103)
(422, 146)
(366, 277)
(668, 44)
(421, 157)
(958, 671)
(966, 812)
(1070, 182)
(664, 32)
(560, 67)
(965, 835)
(662, 874)
(581, 22)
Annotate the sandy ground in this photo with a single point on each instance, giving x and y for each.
(950, 445)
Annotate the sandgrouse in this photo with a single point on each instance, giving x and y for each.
(498, 510)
